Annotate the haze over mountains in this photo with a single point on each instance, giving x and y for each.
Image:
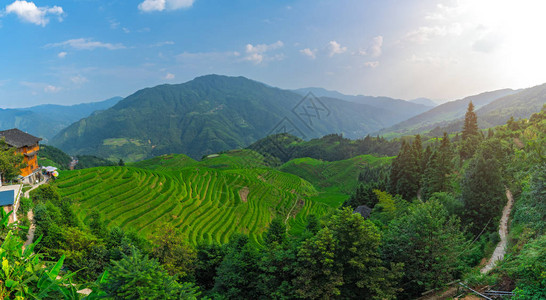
(493, 108)
(47, 120)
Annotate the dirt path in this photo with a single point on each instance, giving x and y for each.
(30, 216)
(499, 252)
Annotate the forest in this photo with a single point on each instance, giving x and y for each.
(434, 216)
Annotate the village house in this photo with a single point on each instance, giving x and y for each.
(28, 145)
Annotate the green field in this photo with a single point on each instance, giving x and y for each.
(206, 199)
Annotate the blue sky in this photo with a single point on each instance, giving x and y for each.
(75, 51)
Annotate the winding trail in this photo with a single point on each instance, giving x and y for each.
(500, 250)
(30, 216)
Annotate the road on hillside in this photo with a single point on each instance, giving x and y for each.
(500, 251)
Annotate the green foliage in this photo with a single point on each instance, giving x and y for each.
(209, 258)
(284, 147)
(439, 167)
(483, 192)
(317, 274)
(55, 155)
(406, 171)
(427, 241)
(238, 271)
(276, 233)
(91, 161)
(529, 269)
(169, 249)
(139, 277)
(44, 193)
(25, 274)
(10, 162)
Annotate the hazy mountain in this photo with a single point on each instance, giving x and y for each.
(443, 114)
(424, 101)
(47, 120)
(519, 105)
(213, 113)
(397, 108)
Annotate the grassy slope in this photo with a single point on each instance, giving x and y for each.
(334, 180)
(201, 198)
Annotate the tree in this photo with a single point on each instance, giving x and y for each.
(483, 192)
(10, 161)
(405, 176)
(209, 258)
(276, 233)
(238, 273)
(470, 127)
(318, 278)
(427, 241)
(439, 167)
(121, 163)
(177, 257)
(357, 258)
(470, 134)
(139, 277)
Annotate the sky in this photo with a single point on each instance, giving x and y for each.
(74, 51)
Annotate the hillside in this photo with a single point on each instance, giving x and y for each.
(211, 114)
(397, 108)
(207, 203)
(519, 106)
(47, 120)
(442, 114)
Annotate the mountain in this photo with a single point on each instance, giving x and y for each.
(520, 105)
(443, 114)
(424, 101)
(47, 120)
(213, 113)
(397, 108)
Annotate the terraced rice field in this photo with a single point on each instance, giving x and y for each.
(205, 203)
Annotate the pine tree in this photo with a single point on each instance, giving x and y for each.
(470, 122)
(483, 191)
(471, 136)
(439, 167)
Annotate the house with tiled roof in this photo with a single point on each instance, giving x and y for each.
(29, 146)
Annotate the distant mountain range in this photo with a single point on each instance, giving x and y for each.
(492, 108)
(47, 120)
(214, 113)
(444, 114)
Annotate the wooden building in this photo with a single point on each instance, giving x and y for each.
(29, 146)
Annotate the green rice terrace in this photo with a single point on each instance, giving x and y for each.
(208, 200)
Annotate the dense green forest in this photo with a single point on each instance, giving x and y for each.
(434, 215)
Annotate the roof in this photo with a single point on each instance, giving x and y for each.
(364, 211)
(16, 138)
(7, 197)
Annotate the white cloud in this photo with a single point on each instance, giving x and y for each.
(161, 5)
(309, 53)
(51, 89)
(375, 48)
(169, 76)
(78, 79)
(29, 12)
(371, 64)
(336, 48)
(426, 33)
(62, 54)
(86, 44)
(257, 54)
